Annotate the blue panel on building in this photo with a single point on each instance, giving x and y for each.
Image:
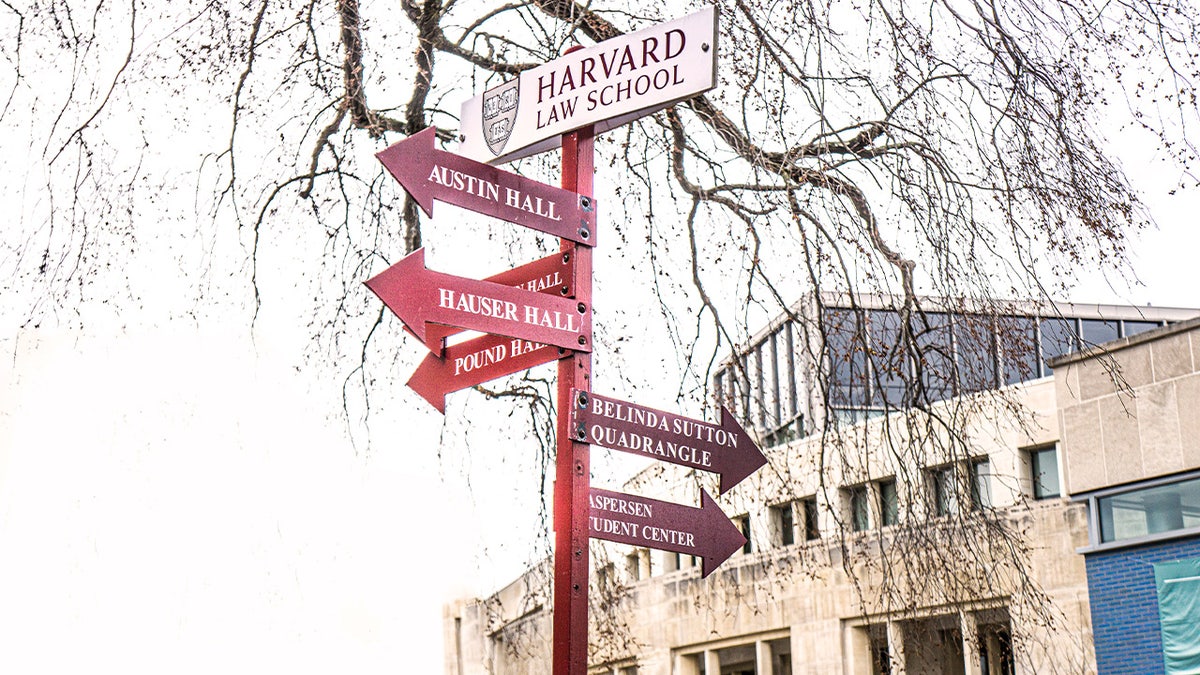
(1124, 603)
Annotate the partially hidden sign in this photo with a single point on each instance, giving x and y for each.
(724, 448)
(606, 85)
(430, 174)
(476, 361)
(488, 357)
(420, 296)
(638, 521)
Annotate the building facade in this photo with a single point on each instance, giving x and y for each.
(1130, 420)
(917, 514)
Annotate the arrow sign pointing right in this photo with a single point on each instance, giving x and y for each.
(723, 448)
(638, 521)
(427, 174)
(419, 296)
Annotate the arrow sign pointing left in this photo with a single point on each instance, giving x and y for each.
(723, 448)
(476, 361)
(419, 296)
(427, 174)
(627, 519)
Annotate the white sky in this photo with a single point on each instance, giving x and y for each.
(178, 497)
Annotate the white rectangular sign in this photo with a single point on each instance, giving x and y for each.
(609, 84)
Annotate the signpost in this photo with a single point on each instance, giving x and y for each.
(627, 519)
(723, 448)
(604, 86)
(542, 311)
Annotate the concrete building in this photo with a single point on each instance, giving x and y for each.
(1130, 444)
(923, 511)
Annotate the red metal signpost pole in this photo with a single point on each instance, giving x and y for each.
(573, 469)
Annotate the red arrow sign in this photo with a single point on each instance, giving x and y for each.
(427, 174)
(725, 449)
(474, 362)
(551, 275)
(420, 296)
(638, 521)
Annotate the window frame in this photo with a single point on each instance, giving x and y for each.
(858, 504)
(943, 490)
(783, 516)
(812, 518)
(1035, 484)
(980, 500)
(889, 515)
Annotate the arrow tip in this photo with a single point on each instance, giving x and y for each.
(724, 537)
(409, 161)
(424, 382)
(738, 463)
(396, 287)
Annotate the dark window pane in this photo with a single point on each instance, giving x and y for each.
(744, 525)
(1134, 327)
(812, 529)
(1044, 465)
(846, 349)
(1058, 338)
(889, 504)
(859, 507)
(787, 524)
(1095, 331)
(975, 348)
(1017, 343)
(887, 360)
(936, 364)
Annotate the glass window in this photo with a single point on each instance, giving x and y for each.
(812, 528)
(975, 352)
(633, 566)
(945, 496)
(847, 358)
(1155, 510)
(881, 659)
(981, 486)
(1017, 343)
(744, 526)
(785, 523)
(889, 505)
(1058, 338)
(1096, 331)
(936, 364)
(1134, 327)
(1044, 468)
(859, 507)
(888, 361)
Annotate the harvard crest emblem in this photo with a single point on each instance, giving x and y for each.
(499, 112)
